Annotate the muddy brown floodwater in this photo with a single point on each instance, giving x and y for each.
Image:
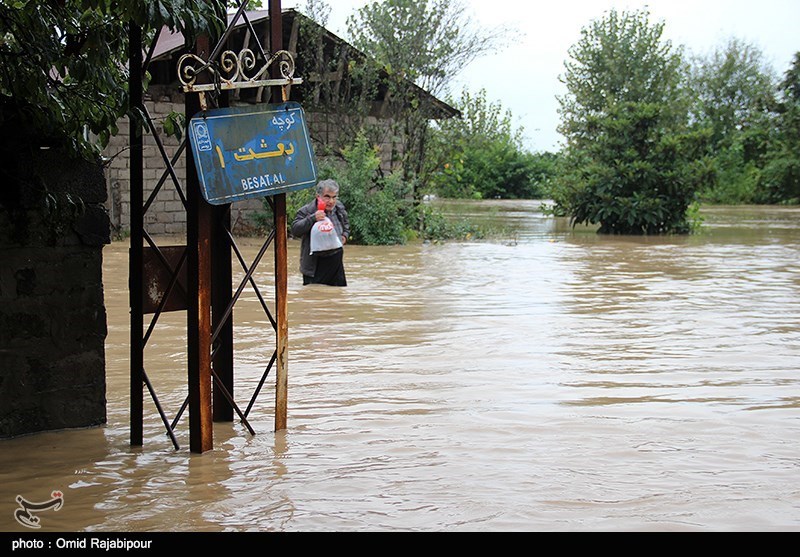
(550, 379)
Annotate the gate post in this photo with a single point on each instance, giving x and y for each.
(135, 255)
(221, 297)
(281, 244)
(222, 361)
(198, 240)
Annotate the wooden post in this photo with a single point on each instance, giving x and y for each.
(135, 258)
(198, 239)
(281, 243)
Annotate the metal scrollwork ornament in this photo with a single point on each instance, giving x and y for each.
(235, 71)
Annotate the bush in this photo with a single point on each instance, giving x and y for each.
(480, 156)
(378, 207)
(438, 228)
(780, 181)
(634, 178)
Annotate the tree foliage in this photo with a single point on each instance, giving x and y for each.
(418, 44)
(630, 163)
(735, 93)
(341, 84)
(425, 41)
(481, 155)
(63, 70)
(780, 178)
(734, 89)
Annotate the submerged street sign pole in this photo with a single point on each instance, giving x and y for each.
(136, 239)
(198, 239)
(247, 152)
(281, 245)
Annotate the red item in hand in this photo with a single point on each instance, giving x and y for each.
(320, 205)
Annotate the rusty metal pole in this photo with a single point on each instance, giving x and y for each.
(281, 244)
(135, 258)
(198, 240)
(221, 297)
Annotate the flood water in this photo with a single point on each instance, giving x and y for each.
(548, 379)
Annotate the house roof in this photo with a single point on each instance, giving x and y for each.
(172, 43)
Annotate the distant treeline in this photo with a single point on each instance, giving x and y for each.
(650, 130)
(743, 120)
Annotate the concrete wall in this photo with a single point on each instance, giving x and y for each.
(52, 310)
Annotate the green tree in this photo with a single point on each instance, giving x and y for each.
(63, 88)
(735, 91)
(63, 76)
(419, 44)
(341, 84)
(480, 155)
(629, 163)
(779, 182)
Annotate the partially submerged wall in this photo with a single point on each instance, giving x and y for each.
(53, 227)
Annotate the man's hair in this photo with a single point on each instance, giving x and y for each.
(331, 185)
(327, 185)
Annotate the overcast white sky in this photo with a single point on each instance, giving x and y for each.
(523, 78)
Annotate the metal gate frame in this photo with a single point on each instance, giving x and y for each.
(186, 276)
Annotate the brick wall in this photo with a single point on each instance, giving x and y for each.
(166, 214)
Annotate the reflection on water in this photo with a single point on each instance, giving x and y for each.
(550, 379)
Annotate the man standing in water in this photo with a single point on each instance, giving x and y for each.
(322, 267)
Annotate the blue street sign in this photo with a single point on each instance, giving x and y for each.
(253, 151)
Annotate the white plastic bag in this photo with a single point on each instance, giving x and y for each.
(324, 236)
